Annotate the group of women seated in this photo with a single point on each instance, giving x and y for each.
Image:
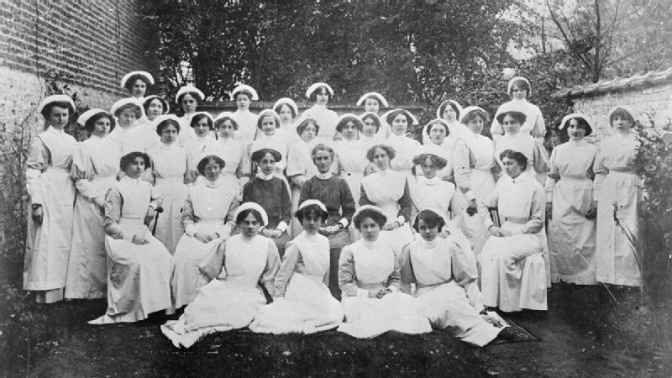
(283, 222)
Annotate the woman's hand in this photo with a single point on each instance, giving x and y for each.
(472, 208)
(549, 210)
(391, 226)
(383, 292)
(139, 240)
(271, 233)
(499, 232)
(202, 238)
(592, 212)
(37, 214)
(444, 233)
(330, 229)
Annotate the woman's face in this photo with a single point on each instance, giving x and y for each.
(476, 124)
(201, 128)
(59, 117)
(322, 161)
(322, 97)
(370, 128)
(512, 168)
(399, 125)
(518, 93)
(189, 104)
(169, 134)
(575, 131)
(369, 229)
(212, 170)
(139, 88)
(285, 113)
(622, 124)
(381, 159)
(311, 223)
(268, 125)
(267, 164)
(428, 168)
(250, 226)
(309, 133)
(101, 127)
(242, 101)
(427, 233)
(349, 130)
(155, 109)
(371, 105)
(510, 125)
(449, 114)
(136, 168)
(226, 129)
(437, 134)
(127, 117)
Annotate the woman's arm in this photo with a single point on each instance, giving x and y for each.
(407, 274)
(271, 269)
(82, 171)
(37, 162)
(346, 275)
(287, 268)
(113, 205)
(463, 160)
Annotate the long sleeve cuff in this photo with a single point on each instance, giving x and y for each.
(401, 220)
(344, 222)
(282, 226)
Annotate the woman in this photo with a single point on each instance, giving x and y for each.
(569, 188)
(168, 174)
(445, 278)
(52, 194)
(272, 193)
(369, 135)
(207, 217)
(137, 83)
(228, 148)
(441, 143)
(388, 190)
(513, 269)
(140, 267)
(243, 95)
(287, 111)
(320, 94)
(473, 162)
(268, 124)
(519, 89)
(335, 194)
(406, 148)
(188, 97)
(449, 111)
(373, 102)
(127, 111)
(239, 268)
(428, 190)
(369, 274)
(301, 300)
(201, 145)
(95, 164)
(351, 153)
(616, 194)
(143, 137)
(300, 165)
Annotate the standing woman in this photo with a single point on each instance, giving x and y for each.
(519, 89)
(127, 111)
(169, 173)
(617, 191)
(351, 153)
(300, 165)
(188, 97)
(207, 217)
(202, 144)
(95, 165)
(52, 194)
(569, 206)
(271, 192)
(449, 111)
(228, 148)
(140, 267)
(287, 111)
(143, 136)
(372, 102)
(369, 135)
(137, 83)
(388, 190)
(320, 94)
(429, 190)
(405, 148)
(441, 143)
(268, 124)
(243, 95)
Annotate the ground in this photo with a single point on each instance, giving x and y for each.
(586, 332)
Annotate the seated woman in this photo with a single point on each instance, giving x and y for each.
(272, 194)
(238, 268)
(203, 143)
(369, 274)
(513, 271)
(302, 302)
(445, 278)
(140, 267)
(207, 217)
(370, 134)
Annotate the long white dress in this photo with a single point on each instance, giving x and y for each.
(444, 150)
(326, 119)
(138, 276)
(534, 151)
(142, 137)
(534, 121)
(371, 266)
(128, 139)
(405, 150)
(571, 237)
(187, 133)
(247, 126)
(299, 163)
(445, 278)
(275, 142)
(196, 149)
(48, 183)
(617, 190)
(303, 302)
(352, 163)
(233, 298)
(169, 167)
(434, 193)
(513, 270)
(207, 207)
(232, 152)
(94, 168)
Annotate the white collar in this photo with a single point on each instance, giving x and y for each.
(54, 130)
(429, 182)
(324, 176)
(212, 184)
(429, 244)
(264, 177)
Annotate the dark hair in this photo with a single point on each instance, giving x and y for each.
(472, 114)
(442, 108)
(390, 117)
(149, 101)
(377, 217)
(245, 92)
(129, 158)
(224, 119)
(305, 123)
(321, 147)
(201, 164)
(320, 89)
(131, 81)
(46, 111)
(391, 153)
(581, 122)
(375, 119)
(135, 107)
(197, 118)
(165, 123)
(520, 117)
(260, 154)
(91, 122)
(621, 113)
(358, 123)
(279, 108)
(431, 218)
(437, 160)
(437, 122)
(311, 209)
(240, 218)
(192, 94)
(522, 84)
(519, 157)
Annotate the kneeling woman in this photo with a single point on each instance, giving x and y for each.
(369, 276)
(513, 271)
(207, 217)
(302, 302)
(139, 266)
(445, 278)
(237, 268)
